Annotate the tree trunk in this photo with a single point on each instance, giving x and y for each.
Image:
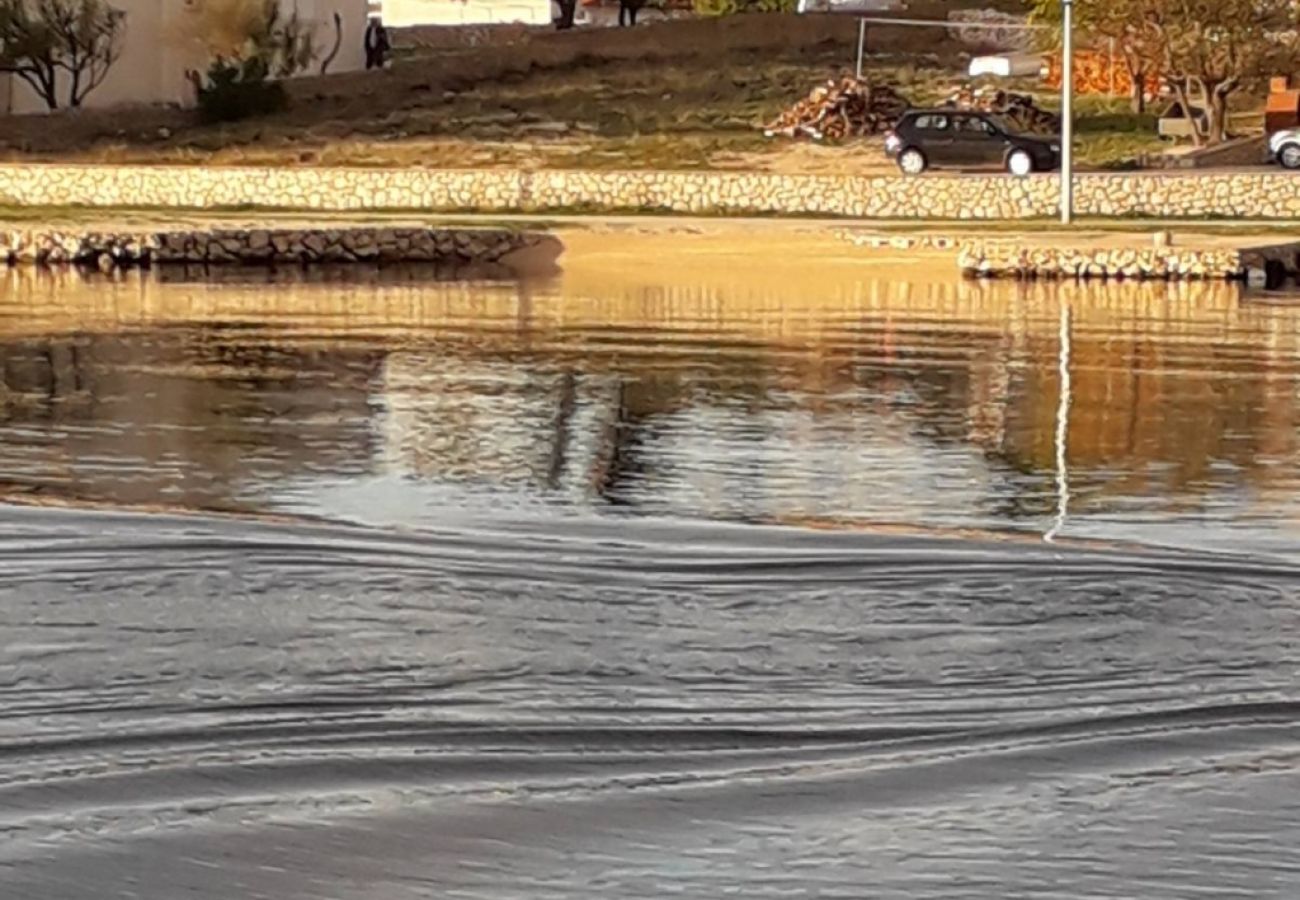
(1216, 111)
(1184, 98)
(45, 84)
(1137, 78)
(1137, 92)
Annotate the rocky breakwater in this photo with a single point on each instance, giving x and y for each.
(1010, 259)
(460, 248)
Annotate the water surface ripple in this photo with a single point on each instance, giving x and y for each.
(493, 592)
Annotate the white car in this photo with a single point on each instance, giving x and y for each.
(1284, 148)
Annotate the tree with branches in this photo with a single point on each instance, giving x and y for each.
(1128, 23)
(1204, 51)
(1211, 49)
(250, 46)
(54, 44)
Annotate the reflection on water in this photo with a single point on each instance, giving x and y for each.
(555, 627)
(924, 401)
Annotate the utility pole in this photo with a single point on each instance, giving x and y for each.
(1067, 112)
(862, 44)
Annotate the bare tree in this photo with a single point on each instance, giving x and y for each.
(49, 43)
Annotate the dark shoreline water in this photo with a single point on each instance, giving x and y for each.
(644, 588)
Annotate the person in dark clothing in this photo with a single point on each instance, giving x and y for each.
(377, 45)
(627, 10)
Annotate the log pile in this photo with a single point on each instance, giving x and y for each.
(1017, 111)
(836, 110)
(1098, 73)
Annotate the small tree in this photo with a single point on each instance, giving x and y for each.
(1210, 49)
(251, 45)
(49, 43)
(242, 30)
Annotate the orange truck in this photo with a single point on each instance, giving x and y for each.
(1283, 108)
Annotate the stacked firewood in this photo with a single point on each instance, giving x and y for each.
(836, 110)
(1099, 73)
(1017, 111)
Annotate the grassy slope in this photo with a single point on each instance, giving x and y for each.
(694, 111)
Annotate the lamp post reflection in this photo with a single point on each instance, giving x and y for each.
(1062, 427)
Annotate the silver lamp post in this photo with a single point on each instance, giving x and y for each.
(1067, 112)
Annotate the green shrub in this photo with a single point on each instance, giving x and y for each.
(731, 7)
(239, 90)
(253, 45)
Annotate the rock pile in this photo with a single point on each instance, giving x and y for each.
(109, 251)
(1017, 111)
(850, 107)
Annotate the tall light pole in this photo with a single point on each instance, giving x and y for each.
(1067, 112)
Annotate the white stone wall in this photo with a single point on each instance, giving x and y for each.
(1261, 194)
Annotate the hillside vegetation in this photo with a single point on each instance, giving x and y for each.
(683, 94)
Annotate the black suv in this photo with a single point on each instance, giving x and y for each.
(958, 137)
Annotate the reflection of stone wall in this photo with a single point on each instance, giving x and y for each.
(1260, 194)
(197, 418)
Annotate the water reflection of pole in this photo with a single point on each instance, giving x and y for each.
(565, 406)
(1062, 427)
(619, 451)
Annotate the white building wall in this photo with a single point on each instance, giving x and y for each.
(354, 15)
(406, 13)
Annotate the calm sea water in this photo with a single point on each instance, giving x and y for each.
(836, 583)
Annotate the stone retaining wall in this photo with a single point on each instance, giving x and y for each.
(464, 248)
(1261, 194)
(1008, 259)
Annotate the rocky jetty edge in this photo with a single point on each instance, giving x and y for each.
(126, 249)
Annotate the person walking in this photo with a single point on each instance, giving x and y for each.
(377, 44)
(627, 10)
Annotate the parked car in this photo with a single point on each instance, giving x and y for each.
(955, 137)
(1284, 148)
